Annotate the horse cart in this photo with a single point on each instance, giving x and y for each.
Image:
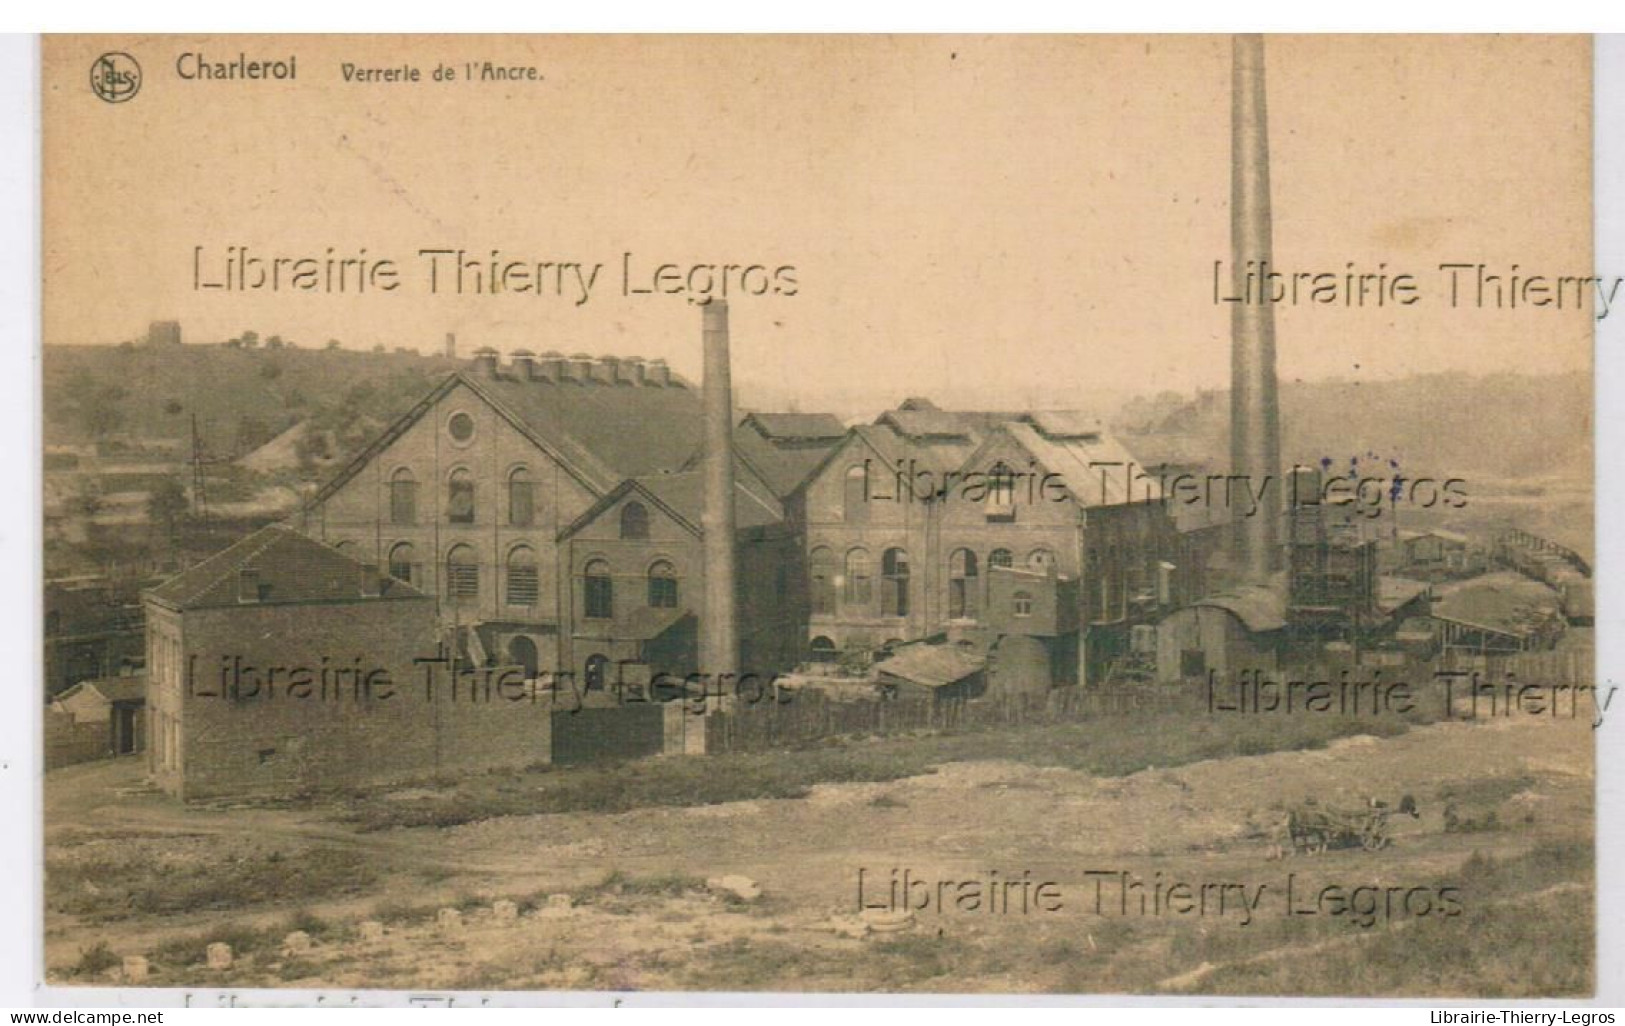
(1312, 828)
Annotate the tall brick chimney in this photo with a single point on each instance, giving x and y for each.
(1255, 434)
(719, 628)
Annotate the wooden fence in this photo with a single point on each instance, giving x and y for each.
(805, 715)
(1564, 666)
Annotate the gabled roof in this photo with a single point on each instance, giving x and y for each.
(795, 427)
(612, 431)
(111, 689)
(1453, 537)
(1061, 425)
(1093, 468)
(289, 567)
(601, 433)
(918, 425)
(882, 441)
(682, 497)
(782, 467)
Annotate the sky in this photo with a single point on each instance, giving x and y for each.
(984, 219)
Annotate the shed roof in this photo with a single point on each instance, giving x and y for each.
(1394, 593)
(1503, 602)
(931, 666)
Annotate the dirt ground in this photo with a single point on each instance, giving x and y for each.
(642, 916)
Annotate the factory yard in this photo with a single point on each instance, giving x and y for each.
(1030, 865)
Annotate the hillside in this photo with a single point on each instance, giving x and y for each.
(1496, 426)
(1499, 426)
(242, 398)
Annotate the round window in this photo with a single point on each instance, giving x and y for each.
(461, 427)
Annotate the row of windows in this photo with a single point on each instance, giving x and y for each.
(854, 581)
(523, 579)
(998, 499)
(461, 504)
(598, 588)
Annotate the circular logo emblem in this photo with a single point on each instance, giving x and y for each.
(115, 77)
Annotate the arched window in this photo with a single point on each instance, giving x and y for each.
(1001, 494)
(524, 582)
(962, 593)
(1040, 559)
(859, 589)
(894, 593)
(824, 572)
(1001, 557)
(634, 521)
(597, 672)
(1022, 603)
(522, 652)
(599, 591)
(855, 495)
(460, 497)
(403, 562)
(462, 574)
(521, 499)
(663, 585)
(822, 650)
(403, 497)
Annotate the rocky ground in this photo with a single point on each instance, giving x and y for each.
(638, 900)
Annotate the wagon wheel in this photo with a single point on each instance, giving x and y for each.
(1374, 838)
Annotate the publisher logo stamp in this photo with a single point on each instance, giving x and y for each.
(115, 77)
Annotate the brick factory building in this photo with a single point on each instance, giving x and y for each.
(282, 665)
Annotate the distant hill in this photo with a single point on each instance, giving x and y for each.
(1491, 426)
(1500, 426)
(241, 397)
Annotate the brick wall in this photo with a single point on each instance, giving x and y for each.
(246, 740)
(68, 741)
(358, 514)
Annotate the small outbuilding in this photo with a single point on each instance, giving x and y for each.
(936, 672)
(1240, 629)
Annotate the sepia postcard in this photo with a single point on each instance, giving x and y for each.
(1035, 515)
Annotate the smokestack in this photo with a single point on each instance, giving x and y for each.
(1255, 440)
(451, 345)
(719, 640)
